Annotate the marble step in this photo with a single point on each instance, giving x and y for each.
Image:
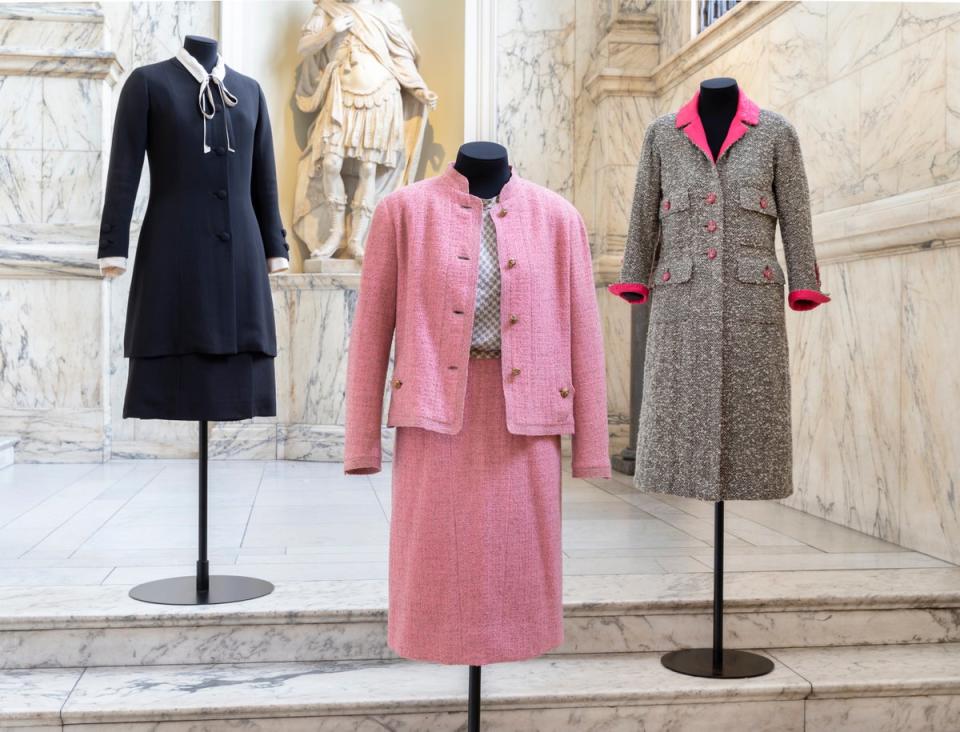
(61, 627)
(905, 688)
(7, 444)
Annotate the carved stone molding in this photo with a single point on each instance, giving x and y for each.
(86, 63)
(908, 222)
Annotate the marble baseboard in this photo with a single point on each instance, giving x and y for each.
(57, 435)
(322, 443)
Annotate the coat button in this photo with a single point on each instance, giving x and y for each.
(221, 194)
(503, 212)
(768, 273)
(763, 201)
(711, 253)
(711, 197)
(666, 276)
(514, 319)
(511, 263)
(711, 225)
(666, 205)
(515, 371)
(107, 227)
(224, 236)
(397, 383)
(220, 150)
(564, 392)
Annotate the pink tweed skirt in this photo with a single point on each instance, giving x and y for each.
(475, 553)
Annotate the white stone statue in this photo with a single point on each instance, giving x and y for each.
(359, 75)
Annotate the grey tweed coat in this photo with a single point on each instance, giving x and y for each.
(715, 418)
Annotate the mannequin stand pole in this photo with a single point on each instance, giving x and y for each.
(716, 662)
(473, 701)
(201, 589)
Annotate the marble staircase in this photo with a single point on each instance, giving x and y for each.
(867, 649)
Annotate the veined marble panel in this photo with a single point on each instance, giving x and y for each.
(71, 186)
(845, 370)
(21, 126)
(72, 118)
(318, 325)
(953, 89)
(535, 100)
(21, 174)
(919, 20)
(929, 395)
(827, 124)
(799, 65)
(46, 367)
(674, 26)
(860, 33)
(903, 91)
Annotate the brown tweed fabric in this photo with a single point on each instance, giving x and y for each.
(715, 419)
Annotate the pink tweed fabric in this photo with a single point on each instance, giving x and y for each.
(419, 280)
(475, 559)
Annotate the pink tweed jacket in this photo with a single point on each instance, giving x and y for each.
(419, 279)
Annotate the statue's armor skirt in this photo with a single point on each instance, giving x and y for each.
(371, 128)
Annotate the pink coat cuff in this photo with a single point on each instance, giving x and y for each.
(632, 292)
(806, 299)
(364, 465)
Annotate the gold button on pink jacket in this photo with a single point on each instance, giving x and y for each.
(419, 281)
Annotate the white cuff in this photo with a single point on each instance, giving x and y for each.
(117, 263)
(277, 264)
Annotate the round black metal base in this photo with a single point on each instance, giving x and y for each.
(183, 590)
(699, 662)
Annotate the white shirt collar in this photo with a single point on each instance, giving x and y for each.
(197, 70)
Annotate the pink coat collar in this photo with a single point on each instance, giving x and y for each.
(453, 178)
(688, 119)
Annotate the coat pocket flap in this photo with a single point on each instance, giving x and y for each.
(759, 270)
(673, 202)
(673, 271)
(761, 201)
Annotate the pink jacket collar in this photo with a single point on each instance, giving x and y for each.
(454, 179)
(688, 119)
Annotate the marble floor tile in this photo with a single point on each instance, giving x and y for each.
(271, 571)
(126, 516)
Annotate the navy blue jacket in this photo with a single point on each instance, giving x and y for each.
(199, 282)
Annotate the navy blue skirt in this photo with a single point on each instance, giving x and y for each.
(200, 386)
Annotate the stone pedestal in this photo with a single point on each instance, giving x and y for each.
(331, 266)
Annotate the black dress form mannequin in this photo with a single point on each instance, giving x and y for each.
(204, 588)
(486, 165)
(717, 106)
(203, 49)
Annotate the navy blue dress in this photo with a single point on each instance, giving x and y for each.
(200, 332)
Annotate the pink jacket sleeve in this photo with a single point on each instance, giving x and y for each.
(591, 452)
(370, 340)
